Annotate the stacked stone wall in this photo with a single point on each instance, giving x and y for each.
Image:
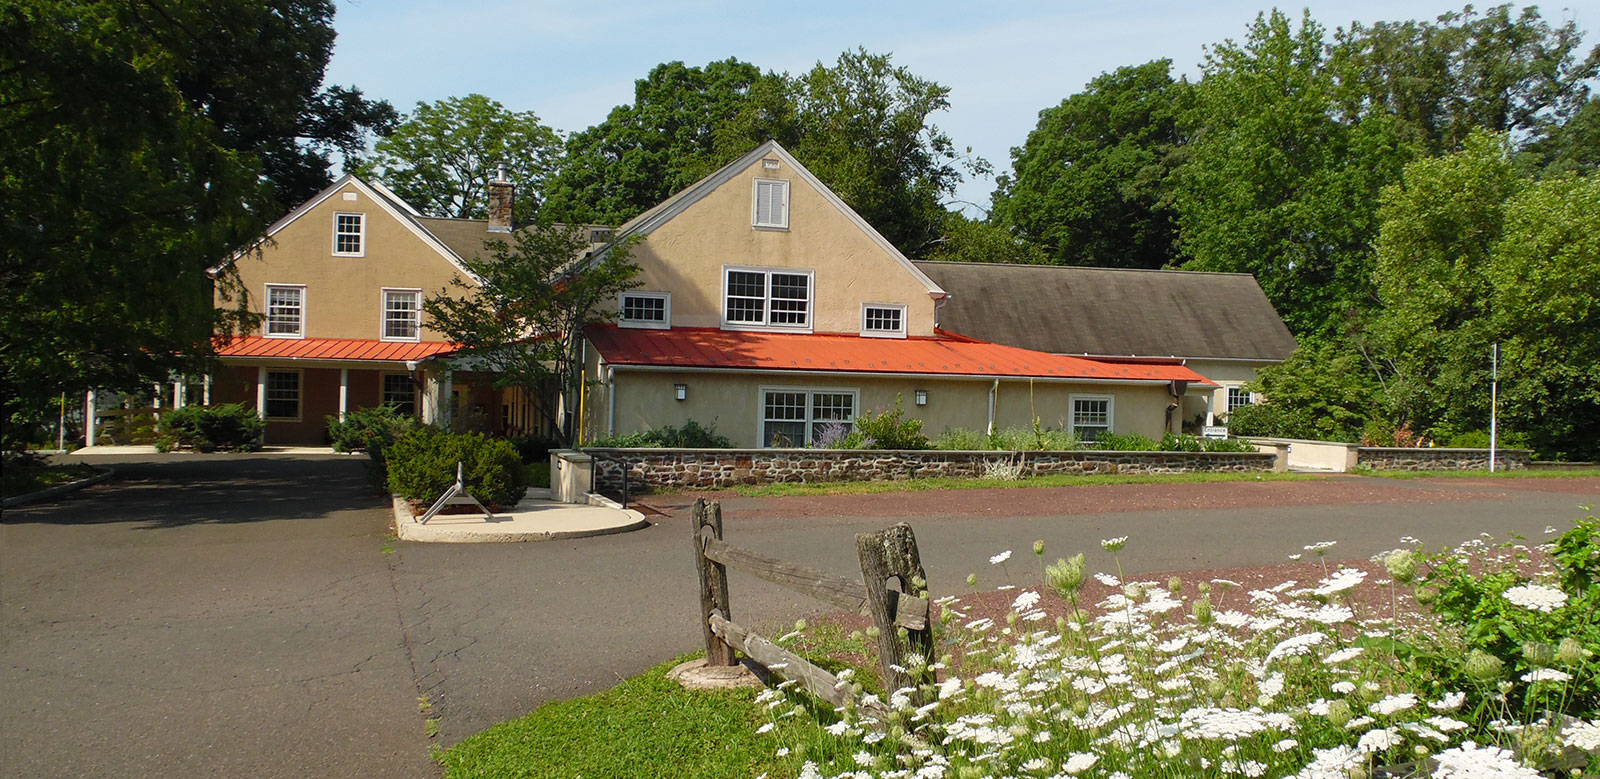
(708, 468)
(1382, 458)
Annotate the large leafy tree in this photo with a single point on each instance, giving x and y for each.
(1093, 183)
(443, 156)
(138, 146)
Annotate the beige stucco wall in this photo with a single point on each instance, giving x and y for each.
(645, 399)
(1228, 373)
(686, 256)
(344, 295)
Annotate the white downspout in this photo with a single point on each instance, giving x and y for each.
(994, 389)
(90, 418)
(611, 401)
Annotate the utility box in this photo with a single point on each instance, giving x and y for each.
(571, 476)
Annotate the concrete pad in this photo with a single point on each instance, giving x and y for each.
(534, 518)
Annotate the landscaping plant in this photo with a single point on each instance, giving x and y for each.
(692, 435)
(422, 466)
(231, 427)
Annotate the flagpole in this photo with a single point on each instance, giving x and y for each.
(1494, 402)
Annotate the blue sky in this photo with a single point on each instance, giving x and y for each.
(1004, 61)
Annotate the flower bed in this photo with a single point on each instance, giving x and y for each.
(1489, 671)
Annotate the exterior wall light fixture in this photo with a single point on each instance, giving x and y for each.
(680, 391)
(922, 397)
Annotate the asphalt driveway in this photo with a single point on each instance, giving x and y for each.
(239, 615)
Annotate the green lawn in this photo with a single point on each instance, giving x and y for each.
(957, 483)
(1521, 473)
(22, 476)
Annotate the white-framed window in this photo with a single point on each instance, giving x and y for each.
(795, 416)
(401, 392)
(349, 235)
(770, 206)
(1238, 396)
(286, 311)
(767, 297)
(402, 315)
(282, 395)
(883, 320)
(645, 309)
(1091, 415)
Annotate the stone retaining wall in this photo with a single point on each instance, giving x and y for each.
(682, 468)
(1385, 458)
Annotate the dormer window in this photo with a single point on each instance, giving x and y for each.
(645, 309)
(349, 235)
(761, 298)
(883, 320)
(771, 207)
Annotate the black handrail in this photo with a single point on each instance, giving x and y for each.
(623, 465)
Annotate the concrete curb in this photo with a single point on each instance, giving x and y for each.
(408, 529)
(60, 489)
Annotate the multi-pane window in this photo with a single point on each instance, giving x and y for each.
(286, 311)
(402, 314)
(1237, 396)
(646, 309)
(796, 417)
(756, 297)
(283, 395)
(1091, 416)
(771, 207)
(883, 319)
(401, 392)
(349, 234)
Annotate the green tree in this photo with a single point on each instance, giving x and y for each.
(1545, 273)
(975, 240)
(526, 320)
(442, 157)
(661, 143)
(1276, 185)
(1093, 183)
(1326, 391)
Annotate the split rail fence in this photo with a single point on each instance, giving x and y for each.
(890, 569)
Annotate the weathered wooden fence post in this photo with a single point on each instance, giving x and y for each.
(893, 554)
(706, 521)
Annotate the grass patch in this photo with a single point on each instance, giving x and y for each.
(647, 726)
(538, 474)
(1521, 473)
(958, 483)
(22, 475)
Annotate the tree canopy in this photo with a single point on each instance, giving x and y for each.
(442, 157)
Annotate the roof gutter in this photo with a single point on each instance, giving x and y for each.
(897, 375)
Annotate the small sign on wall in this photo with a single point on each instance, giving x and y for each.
(1214, 431)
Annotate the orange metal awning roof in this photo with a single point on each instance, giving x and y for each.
(332, 349)
(946, 354)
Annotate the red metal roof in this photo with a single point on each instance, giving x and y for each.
(944, 354)
(343, 349)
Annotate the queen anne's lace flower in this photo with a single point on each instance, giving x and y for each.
(1536, 597)
(1342, 579)
(1470, 761)
(1375, 741)
(1297, 645)
(1333, 763)
(1393, 703)
(1546, 675)
(1080, 762)
(1583, 735)
(1025, 601)
(1000, 558)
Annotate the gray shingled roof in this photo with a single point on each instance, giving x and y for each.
(466, 237)
(1111, 311)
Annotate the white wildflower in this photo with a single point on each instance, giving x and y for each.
(1446, 724)
(1546, 675)
(1285, 745)
(863, 759)
(1108, 580)
(1114, 544)
(1297, 645)
(1025, 600)
(1000, 558)
(838, 728)
(1079, 762)
(1393, 703)
(1375, 741)
(1348, 653)
(767, 728)
(1450, 702)
(1037, 765)
(1536, 597)
(1334, 763)
(1341, 580)
(1582, 735)
(949, 687)
(1343, 688)
(1470, 761)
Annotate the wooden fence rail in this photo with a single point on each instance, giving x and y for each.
(892, 592)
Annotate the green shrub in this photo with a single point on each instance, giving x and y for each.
(1228, 445)
(535, 448)
(422, 466)
(961, 439)
(369, 429)
(1182, 443)
(888, 429)
(692, 435)
(232, 427)
(1479, 439)
(1125, 442)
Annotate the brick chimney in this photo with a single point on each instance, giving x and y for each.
(502, 194)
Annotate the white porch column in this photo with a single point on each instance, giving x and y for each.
(90, 419)
(1211, 417)
(261, 392)
(158, 395)
(446, 400)
(205, 391)
(344, 391)
(178, 387)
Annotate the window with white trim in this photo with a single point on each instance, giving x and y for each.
(795, 417)
(1091, 416)
(771, 206)
(401, 392)
(402, 314)
(645, 309)
(1238, 396)
(349, 235)
(883, 320)
(760, 297)
(286, 311)
(282, 395)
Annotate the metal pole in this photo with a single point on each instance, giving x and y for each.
(61, 425)
(1494, 402)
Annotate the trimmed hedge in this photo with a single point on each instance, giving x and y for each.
(370, 429)
(422, 466)
(231, 427)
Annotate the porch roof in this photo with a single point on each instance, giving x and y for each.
(332, 349)
(947, 354)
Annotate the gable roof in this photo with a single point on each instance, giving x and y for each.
(1112, 311)
(664, 211)
(942, 355)
(386, 200)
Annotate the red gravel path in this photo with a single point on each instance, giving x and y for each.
(1097, 499)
